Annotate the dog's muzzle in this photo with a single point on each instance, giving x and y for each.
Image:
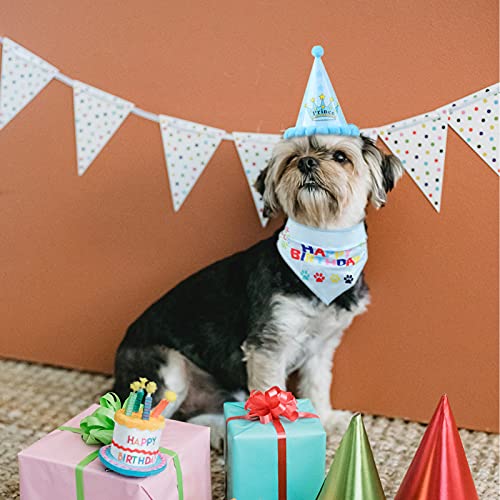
(307, 165)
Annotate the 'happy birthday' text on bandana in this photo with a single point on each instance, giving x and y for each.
(328, 262)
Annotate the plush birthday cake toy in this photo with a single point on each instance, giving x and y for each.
(135, 448)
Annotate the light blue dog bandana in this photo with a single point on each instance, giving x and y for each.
(328, 262)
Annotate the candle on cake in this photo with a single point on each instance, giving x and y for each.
(150, 390)
(169, 397)
(134, 386)
(140, 394)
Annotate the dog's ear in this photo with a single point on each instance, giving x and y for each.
(265, 187)
(385, 171)
(260, 183)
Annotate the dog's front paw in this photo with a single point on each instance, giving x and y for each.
(336, 421)
(217, 440)
(217, 426)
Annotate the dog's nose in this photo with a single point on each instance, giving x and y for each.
(307, 164)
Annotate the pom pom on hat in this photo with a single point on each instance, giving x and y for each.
(317, 51)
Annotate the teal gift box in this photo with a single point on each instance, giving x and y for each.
(252, 456)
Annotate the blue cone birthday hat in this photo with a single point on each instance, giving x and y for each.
(320, 112)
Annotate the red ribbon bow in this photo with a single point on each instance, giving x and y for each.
(272, 404)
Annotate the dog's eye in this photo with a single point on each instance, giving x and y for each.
(339, 157)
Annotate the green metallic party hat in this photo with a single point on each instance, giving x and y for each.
(353, 474)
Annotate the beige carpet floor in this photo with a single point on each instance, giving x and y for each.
(50, 396)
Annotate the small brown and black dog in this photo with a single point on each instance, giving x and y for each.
(247, 322)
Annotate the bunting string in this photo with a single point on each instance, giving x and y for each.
(420, 141)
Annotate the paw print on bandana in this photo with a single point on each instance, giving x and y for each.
(305, 275)
(319, 277)
(334, 278)
(348, 279)
(284, 244)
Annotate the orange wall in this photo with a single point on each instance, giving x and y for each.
(80, 258)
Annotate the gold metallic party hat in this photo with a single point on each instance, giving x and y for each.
(353, 474)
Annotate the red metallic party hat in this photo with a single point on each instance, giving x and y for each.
(439, 470)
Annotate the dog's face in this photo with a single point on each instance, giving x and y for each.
(326, 180)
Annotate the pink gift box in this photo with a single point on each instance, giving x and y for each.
(47, 468)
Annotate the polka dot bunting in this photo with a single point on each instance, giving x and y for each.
(475, 120)
(24, 75)
(420, 144)
(255, 152)
(188, 148)
(372, 133)
(98, 115)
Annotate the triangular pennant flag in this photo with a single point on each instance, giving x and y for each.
(420, 144)
(439, 470)
(372, 133)
(475, 119)
(255, 152)
(98, 115)
(24, 75)
(188, 148)
(353, 474)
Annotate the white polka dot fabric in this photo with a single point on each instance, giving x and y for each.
(98, 115)
(372, 133)
(420, 144)
(475, 120)
(24, 75)
(255, 152)
(188, 148)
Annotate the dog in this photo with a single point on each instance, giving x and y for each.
(247, 322)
